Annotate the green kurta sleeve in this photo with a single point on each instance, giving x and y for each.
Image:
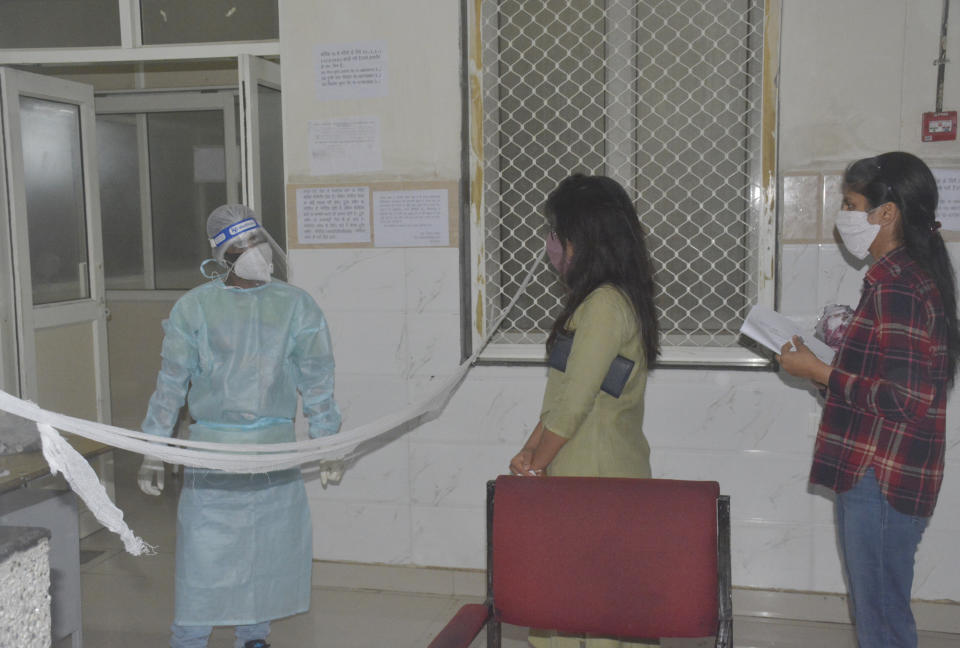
(604, 433)
(600, 332)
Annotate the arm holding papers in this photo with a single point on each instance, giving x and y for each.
(773, 330)
(803, 357)
(798, 360)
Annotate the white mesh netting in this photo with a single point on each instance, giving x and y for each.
(662, 96)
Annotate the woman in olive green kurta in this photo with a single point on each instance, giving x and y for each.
(599, 251)
(604, 434)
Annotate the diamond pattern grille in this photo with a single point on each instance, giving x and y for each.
(664, 96)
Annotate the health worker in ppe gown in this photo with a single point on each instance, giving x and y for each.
(240, 348)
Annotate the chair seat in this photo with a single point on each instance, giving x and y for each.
(604, 556)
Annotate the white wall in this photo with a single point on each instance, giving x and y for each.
(855, 76)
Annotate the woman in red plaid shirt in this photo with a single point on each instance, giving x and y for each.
(880, 445)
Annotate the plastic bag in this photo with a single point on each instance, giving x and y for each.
(833, 323)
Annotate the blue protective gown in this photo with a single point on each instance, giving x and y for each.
(244, 542)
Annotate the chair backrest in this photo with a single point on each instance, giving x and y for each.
(632, 558)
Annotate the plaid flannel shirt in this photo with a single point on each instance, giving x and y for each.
(886, 398)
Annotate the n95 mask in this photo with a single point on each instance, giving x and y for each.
(856, 232)
(255, 264)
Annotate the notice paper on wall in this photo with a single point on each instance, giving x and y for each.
(348, 145)
(333, 215)
(948, 209)
(351, 70)
(418, 218)
(400, 212)
(772, 330)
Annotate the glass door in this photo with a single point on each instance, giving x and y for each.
(52, 219)
(166, 161)
(262, 145)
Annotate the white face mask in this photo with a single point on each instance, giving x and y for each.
(255, 264)
(856, 232)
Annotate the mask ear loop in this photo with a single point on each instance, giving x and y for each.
(211, 274)
(220, 264)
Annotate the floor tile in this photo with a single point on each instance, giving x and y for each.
(128, 601)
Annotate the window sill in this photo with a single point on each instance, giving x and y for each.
(670, 357)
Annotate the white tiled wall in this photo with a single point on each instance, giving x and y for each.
(851, 82)
(815, 270)
(419, 498)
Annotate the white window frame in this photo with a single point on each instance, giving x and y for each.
(141, 102)
(254, 73)
(132, 48)
(763, 199)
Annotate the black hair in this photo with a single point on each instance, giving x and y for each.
(905, 180)
(595, 214)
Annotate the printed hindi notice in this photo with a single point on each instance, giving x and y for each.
(327, 215)
(350, 71)
(412, 218)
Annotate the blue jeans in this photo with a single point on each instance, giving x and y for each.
(197, 636)
(878, 545)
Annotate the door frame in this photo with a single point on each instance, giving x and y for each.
(140, 103)
(13, 85)
(253, 72)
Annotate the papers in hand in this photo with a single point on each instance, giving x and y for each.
(773, 330)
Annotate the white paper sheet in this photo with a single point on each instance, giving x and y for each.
(350, 70)
(333, 215)
(772, 330)
(948, 209)
(348, 145)
(415, 218)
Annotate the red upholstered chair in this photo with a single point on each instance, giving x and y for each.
(628, 558)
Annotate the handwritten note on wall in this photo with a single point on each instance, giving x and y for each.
(333, 215)
(347, 145)
(350, 71)
(418, 218)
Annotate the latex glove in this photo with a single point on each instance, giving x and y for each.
(332, 472)
(150, 475)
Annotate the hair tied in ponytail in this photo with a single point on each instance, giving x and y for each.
(935, 227)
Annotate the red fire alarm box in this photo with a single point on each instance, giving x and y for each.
(939, 126)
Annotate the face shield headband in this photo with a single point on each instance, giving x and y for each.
(242, 235)
(234, 240)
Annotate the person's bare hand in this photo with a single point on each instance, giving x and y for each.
(521, 462)
(797, 360)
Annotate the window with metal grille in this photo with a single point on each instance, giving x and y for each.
(665, 97)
